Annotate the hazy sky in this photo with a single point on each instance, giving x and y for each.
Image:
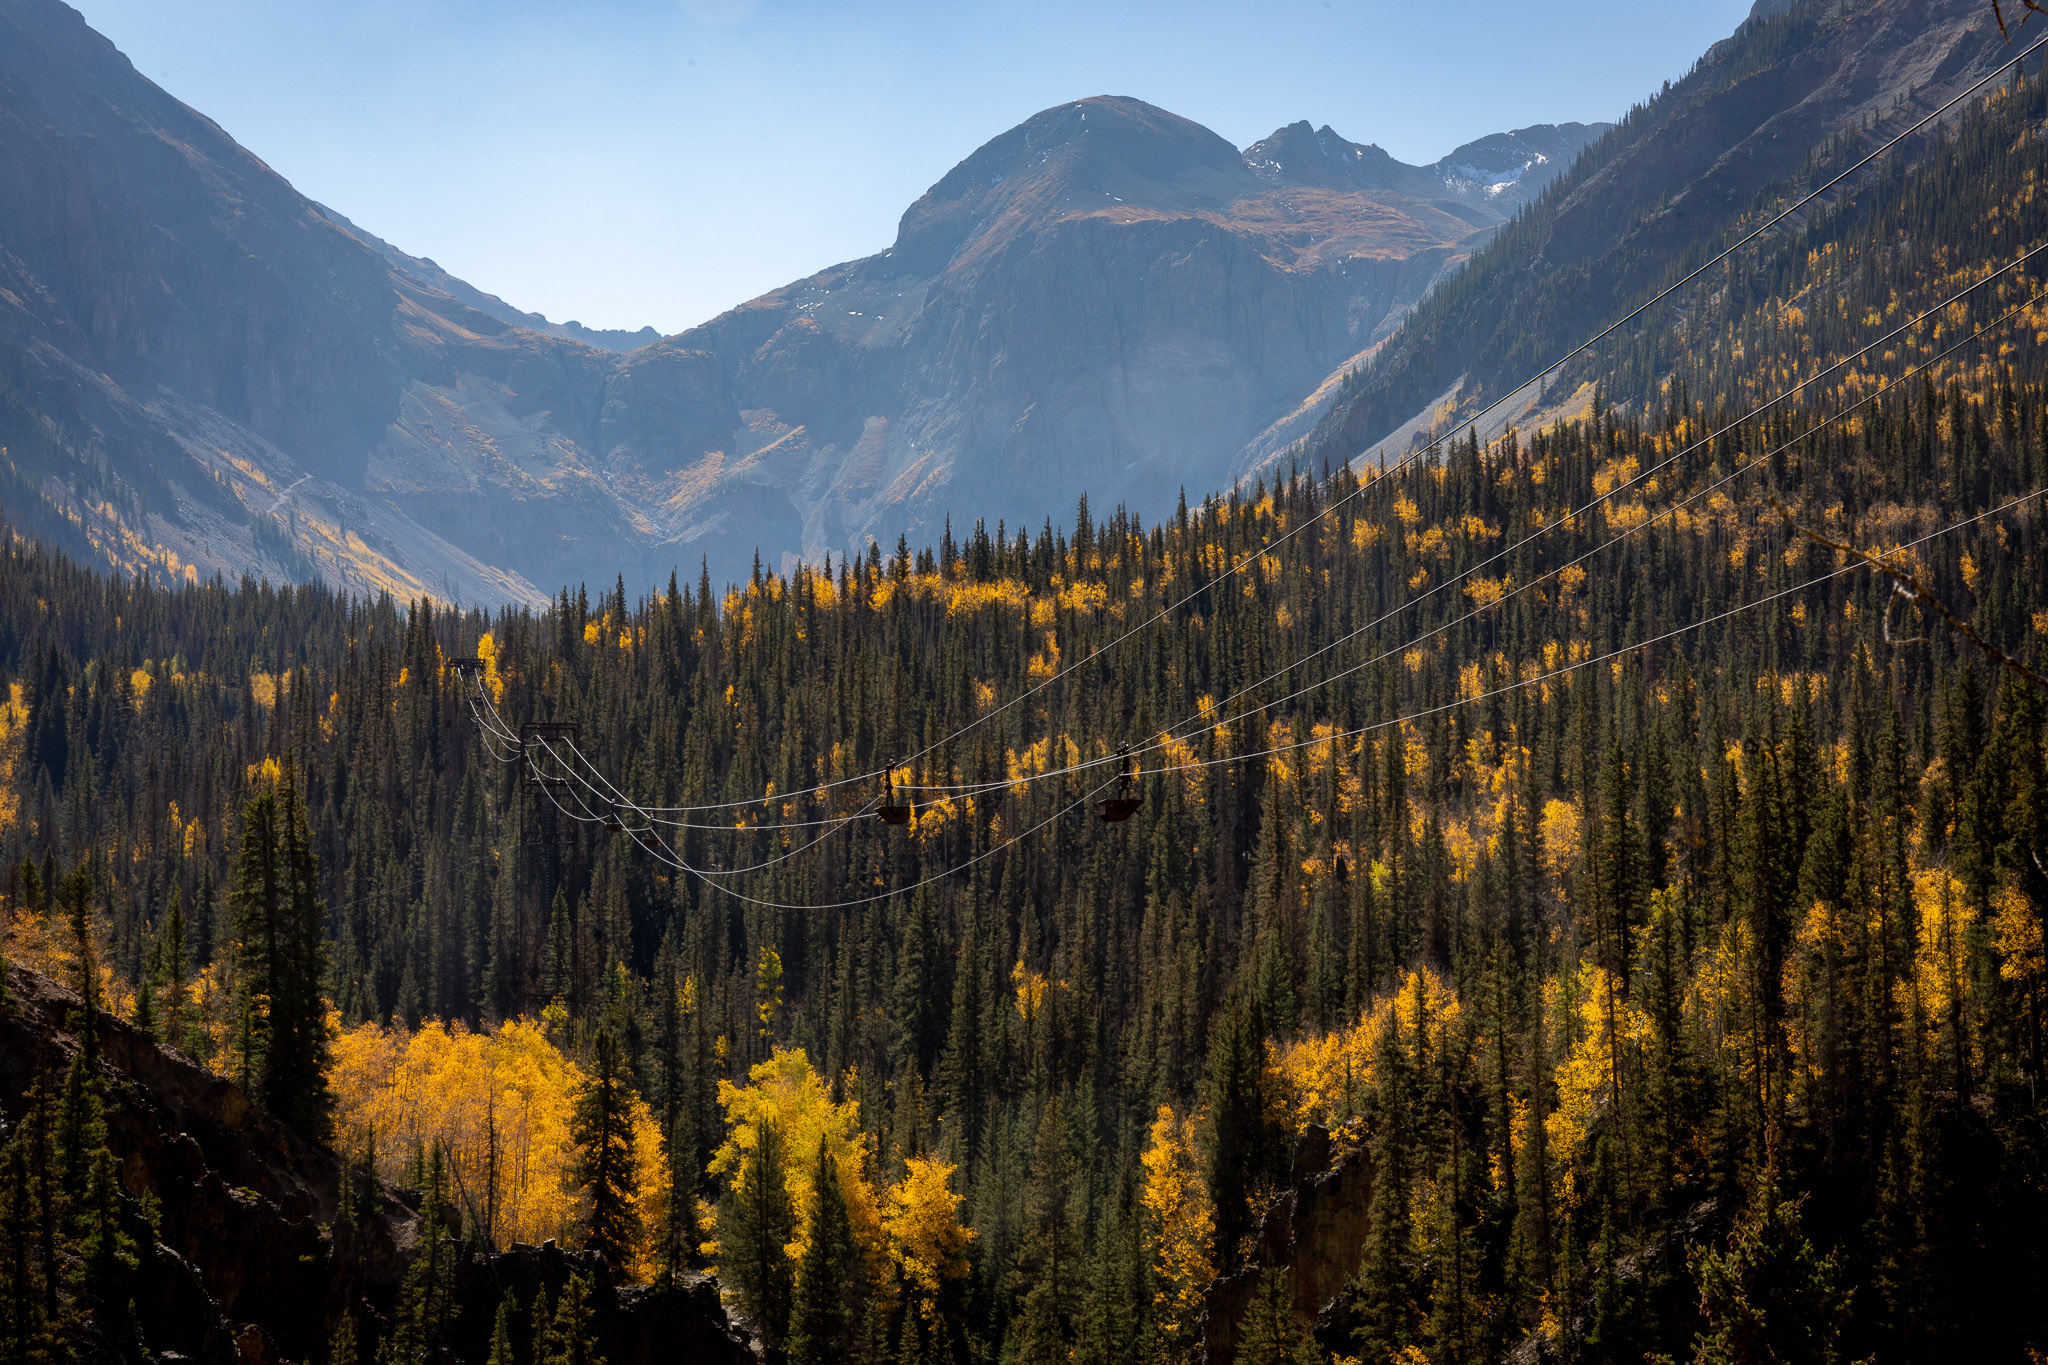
(626, 162)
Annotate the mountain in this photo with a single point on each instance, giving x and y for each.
(1107, 298)
(1502, 171)
(1797, 94)
(202, 371)
(433, 276)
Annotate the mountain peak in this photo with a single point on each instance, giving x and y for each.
(1085, 154)
(1300, 155)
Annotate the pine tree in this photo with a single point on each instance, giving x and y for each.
(1390, 1298)
(827, 1308)
(171, 970)
(297, 1082)
(76, 897)
(571, 1334)
(1770, 1296)
(603, 1129)
(1243, 1144)
(343, 1349)
(425, 1297)
(755, 1225)
(1049, 1260)
(1272, 1333)
(501, 1332)
(280, 962)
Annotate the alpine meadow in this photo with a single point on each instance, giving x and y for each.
(1531, 844)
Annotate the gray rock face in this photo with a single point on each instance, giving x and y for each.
(202, 371)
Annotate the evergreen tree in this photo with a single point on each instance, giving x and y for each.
(280, 962)
(1770, 1296)
(603, 1130)
(827, 1308)
(501, 1332)
(1244, 1144)
(571, 1334)
(1049, 1261)
(343, 1350)
(426, 1295)
(755, 1224)
(1272, 1333)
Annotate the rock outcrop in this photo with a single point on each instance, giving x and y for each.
(1314, 1230)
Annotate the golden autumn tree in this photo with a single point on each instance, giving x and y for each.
(1944, 986)
(926, 1238)
(786, 1094)
(1180, 1224)
(501, 1107)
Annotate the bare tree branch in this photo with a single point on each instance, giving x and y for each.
(1912, 587)
(1998, 13)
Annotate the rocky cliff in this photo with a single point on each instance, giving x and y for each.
(244, 1259)
(202, 371)
(1314, 1232)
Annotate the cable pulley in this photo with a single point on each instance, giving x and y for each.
(1116, 809)
(894, 811)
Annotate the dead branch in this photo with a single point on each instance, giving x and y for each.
(1998, 13)
(1911, 586)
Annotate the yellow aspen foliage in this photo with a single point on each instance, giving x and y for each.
(2016, 932)
(487, 650)
(1606, 1031)
(1324, 1076)
(1941, 965)
(13, 723)
(652, 1192)
(1180, 1222)
(43, 943)
(926, 1237)
(768, 990)
(1821, 940)
(1031, 988)
(785, 1093)
(1560, 836)
(498, 1104)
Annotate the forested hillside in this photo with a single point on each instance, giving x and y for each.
(1646, 900)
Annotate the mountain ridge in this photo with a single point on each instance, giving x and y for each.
(1751, 125)
(263, 387)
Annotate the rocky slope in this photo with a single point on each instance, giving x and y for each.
(202, 371)
(246, 1262)
(1801, 90)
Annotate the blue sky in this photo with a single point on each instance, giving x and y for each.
(626, 162)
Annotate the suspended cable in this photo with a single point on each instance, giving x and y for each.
(1434, 443)
(611, 794)
(1855, 565)
(1169, 737)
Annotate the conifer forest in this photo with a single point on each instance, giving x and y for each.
(1565, 840)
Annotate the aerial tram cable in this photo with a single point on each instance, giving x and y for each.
(1761, 460)
(1853, 566)
(1121, 806)
(1433, 445)
(1174, 733)
(660, 849)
